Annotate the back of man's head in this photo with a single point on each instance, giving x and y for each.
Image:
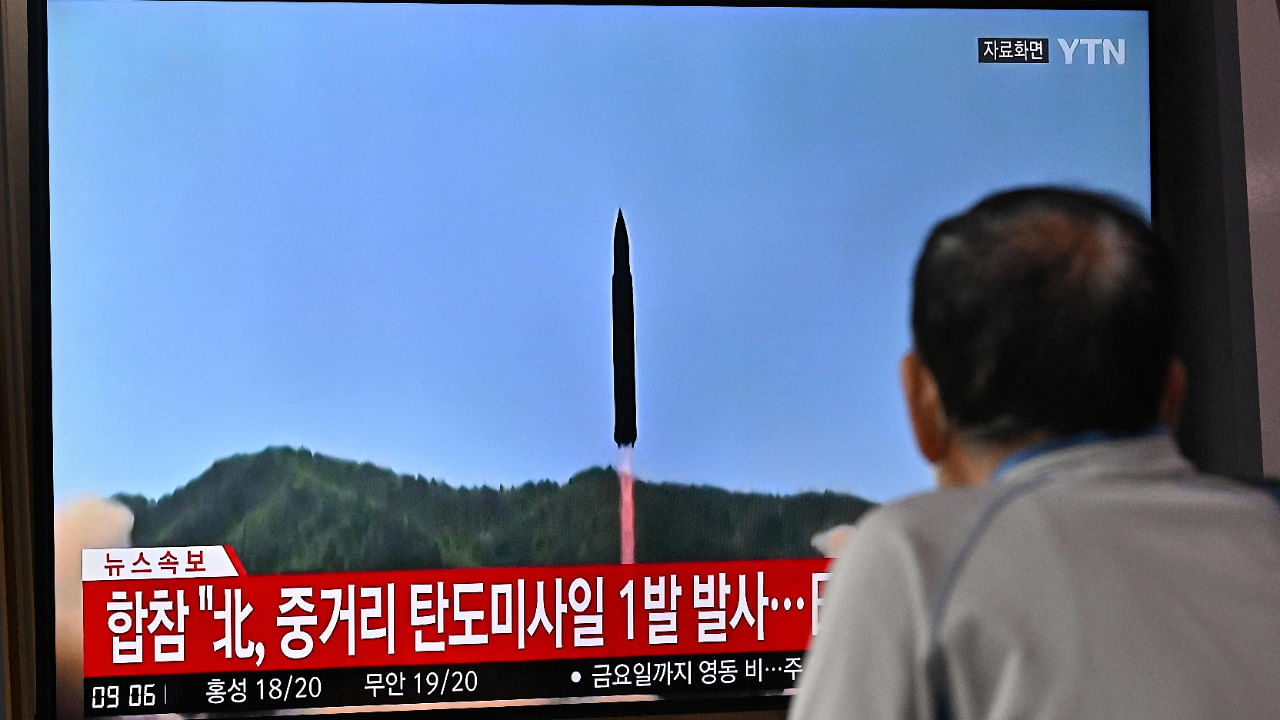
(1045, 310)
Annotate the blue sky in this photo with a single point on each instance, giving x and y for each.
(383, 232)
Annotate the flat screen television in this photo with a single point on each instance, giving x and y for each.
(505, 359)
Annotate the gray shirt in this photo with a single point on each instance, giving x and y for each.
(1103, 580)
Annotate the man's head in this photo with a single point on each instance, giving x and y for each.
(1038, 313)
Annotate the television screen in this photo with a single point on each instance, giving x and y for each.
(456, 356)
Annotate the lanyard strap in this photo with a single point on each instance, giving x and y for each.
(1082, 438)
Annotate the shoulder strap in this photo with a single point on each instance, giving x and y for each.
(936, 670)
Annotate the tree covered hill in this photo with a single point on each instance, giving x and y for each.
(292, 510)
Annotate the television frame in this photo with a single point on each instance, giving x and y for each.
(1199, 203)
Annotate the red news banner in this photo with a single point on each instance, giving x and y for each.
(164, 625)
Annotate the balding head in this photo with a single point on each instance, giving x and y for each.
(1045, 311)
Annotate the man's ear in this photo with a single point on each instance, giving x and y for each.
(1175, 391)
(924, 404)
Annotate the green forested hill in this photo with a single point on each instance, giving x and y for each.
(292, 510)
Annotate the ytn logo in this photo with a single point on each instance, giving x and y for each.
(1110, 50)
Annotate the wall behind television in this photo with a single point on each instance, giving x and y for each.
(1259, 23)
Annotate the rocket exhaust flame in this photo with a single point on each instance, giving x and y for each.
(626, 504)
(624, 382)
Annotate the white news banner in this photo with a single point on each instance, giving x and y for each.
(159, 563)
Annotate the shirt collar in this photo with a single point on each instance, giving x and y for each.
(1087, 437)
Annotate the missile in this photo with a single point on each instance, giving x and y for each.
(624, 339)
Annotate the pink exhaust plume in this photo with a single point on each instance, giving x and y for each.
(626, 504)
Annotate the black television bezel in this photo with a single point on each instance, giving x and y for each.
(1199, 205)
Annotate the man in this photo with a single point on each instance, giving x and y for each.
(1073, 563)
